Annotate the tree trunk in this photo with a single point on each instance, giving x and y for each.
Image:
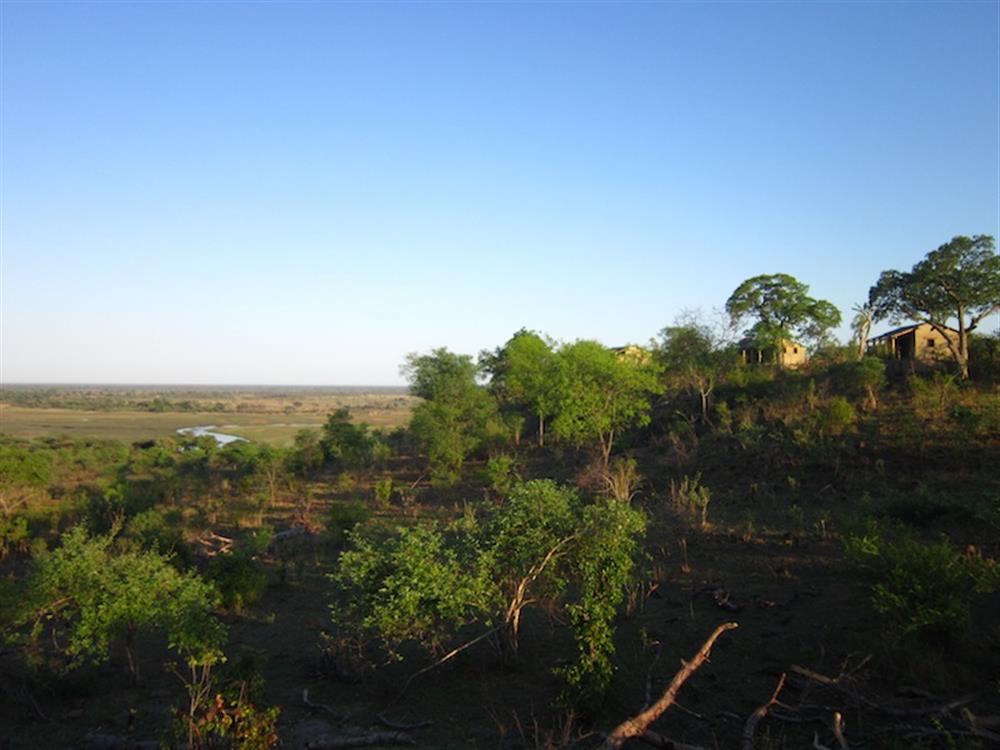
(541, 430)
(963, 346)
(133, 662)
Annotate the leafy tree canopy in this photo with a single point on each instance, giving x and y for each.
(602, 394)
(780, 309)
(97, 594)
(960, 282)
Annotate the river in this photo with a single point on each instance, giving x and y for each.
(206, 431)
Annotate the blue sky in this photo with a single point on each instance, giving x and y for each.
(305, 192)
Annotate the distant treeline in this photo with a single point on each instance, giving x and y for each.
(177, 398)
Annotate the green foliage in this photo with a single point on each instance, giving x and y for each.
(342, 518)
(450, 423)
(153, 530)
(239, 577)
(689, 499)
(694, 359)
(835, 417)
(608, 544)
(24, 466)
(533, 521)
(406, 587)
(97, 594)
(421, 584)
(306, 455)
(14, 535)
(345, 445)
(781, 310)
(525, 374)
(383, 492)
(959, 281)
(933, 396)
(501, 473)
(859, 380)
(923, 588)
(602, 395)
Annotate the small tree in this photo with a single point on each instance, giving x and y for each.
(451, 421)
(345, 444)
(97, 595)
(602, 395)
(693, 358)
(959, 281)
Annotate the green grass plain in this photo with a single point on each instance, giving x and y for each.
(275, 428)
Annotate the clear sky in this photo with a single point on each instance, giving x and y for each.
(197, 192)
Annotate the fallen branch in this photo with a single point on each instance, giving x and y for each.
(762, 711)
(937, 709)
(361, 740)
(638, 725)
(447, 657)
(317, 706)
(283, 536)
(97, 741)
(654, 739)
(838, 730)
(403, 727)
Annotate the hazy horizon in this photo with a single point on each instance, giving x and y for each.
(213, 193)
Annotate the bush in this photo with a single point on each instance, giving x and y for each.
(501, 473)
(383, 492)
(835, 417)
(240, 578)
(923, 589)
(151, 530)
(343, 518)
(95, 595)
(689, 499)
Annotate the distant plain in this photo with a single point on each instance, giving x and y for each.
(132, 413)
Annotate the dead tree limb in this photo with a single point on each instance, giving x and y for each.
(361, 740)
(838, 730)
(654, 739)
(401, 727)
(937, 709)
(447, 657)
(638, 725)
(317, 706)
(762, 711)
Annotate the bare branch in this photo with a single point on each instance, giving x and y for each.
(762, 711)
(638, 725)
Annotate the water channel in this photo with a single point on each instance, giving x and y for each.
(207, 431)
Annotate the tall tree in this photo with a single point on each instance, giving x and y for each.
(602, 394)
(525, 375)
(781, 310)
(450, 422)
(960, 281)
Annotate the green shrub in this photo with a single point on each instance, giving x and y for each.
(835, 417)
(343, 518)
(240, 579)
(500, 473)
(89, 594)
(151, 530)
(689, 499)
(383, 492)
(923, 589)
(14, 535)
